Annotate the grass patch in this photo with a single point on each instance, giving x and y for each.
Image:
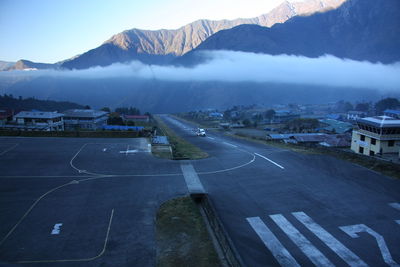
(181, 149)
(182, 237)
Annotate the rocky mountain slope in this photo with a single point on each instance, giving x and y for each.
(29, 65)
(162, 46)
(359, 29)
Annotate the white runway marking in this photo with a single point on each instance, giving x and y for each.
(334, 244)
(395, 205)
(273, 162)
(272, 243)
(352, 231)
(56, 230)
(305, 246)
(104, 149)
(212, 138)
(229, 144)
(192, 180)
(11, 148)
(129, 151)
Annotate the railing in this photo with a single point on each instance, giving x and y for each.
(378, 136)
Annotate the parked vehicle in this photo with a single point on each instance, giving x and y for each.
(201, 132)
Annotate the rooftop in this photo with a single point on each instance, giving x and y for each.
(38, 115)
(84, 113)
(381, 121)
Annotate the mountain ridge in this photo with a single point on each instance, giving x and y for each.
(162, 46)
(360, 30)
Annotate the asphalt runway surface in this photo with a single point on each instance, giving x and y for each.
(92, 202)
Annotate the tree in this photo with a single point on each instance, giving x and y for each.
(387, 103)
(115, 119)
(362, 107)
(246, 122)
(269, 114)
(342, 106)
(106, 109)
(87, 107)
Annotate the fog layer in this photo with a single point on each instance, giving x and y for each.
(241, 66)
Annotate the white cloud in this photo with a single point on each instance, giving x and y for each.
(240, 66)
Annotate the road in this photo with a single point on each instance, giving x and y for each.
(286, 208)
(92, 202)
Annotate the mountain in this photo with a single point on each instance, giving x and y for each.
(358, 29)
(29, 65)
(162, 46)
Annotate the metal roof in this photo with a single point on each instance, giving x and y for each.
(292, 135)
(38, 115)
(84, 113)
(160, 140)
(380, 121)
(122, 128)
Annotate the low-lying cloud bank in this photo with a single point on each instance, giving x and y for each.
(240, 66)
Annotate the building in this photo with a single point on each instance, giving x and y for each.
(75, 119)
(136, 118)
(355, 115)
(5, 116)
(282, 116)
(392, 113)
(376, 135)
(335, 126)
(37, 121)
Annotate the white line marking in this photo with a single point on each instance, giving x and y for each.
(129, 151)
(334, 244)
(273, 162)
(352, 231)
(212, 138)
(395, 205)
(85, 259)
(229, 144)
(272, 243)
(308, 249)
(191, 178)
(104, 149)
(11, 148)
(56, 230)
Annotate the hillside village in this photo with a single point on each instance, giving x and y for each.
(371, 129)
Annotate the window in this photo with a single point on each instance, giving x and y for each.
(361, 150)
(391, 143)
(373, 141)
(362, 137)
(371, 153)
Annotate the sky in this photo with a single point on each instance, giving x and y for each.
(53, 30)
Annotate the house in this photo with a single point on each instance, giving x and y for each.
(84, 119)
(376, 135)
(284, 116)
(392, 113)
(216, 115)
(37, 121)
(5, 116)
(136, 118)
(335, 126)
(355, 115)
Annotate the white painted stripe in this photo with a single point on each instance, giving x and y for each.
(9, 149)
(229, 144)
(273, 162)
(56, 230)
(308, 249)
(191, 178)
(212, 138)
(272, 243)
(395, 205)
(352, 231)
(334, 244)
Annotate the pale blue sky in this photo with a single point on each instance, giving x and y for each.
(54, 30)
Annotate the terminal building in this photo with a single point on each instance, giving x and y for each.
(75, 119)
(376, 136)
(37, 121)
